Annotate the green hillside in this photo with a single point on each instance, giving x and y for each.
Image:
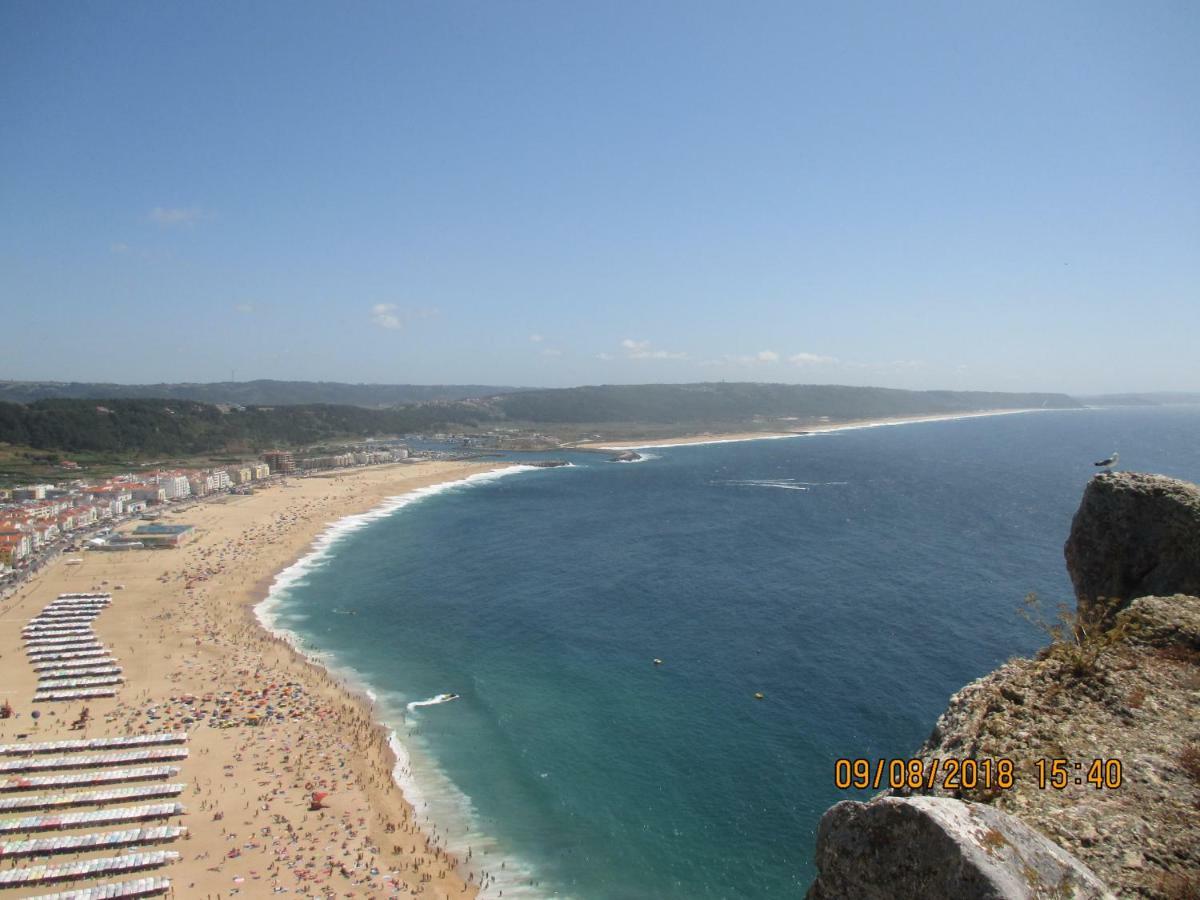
(745, 402)
(250, 393)
(174, 427)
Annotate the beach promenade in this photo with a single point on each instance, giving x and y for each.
(259, 731)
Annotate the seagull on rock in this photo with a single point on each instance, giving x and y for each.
(1107, 464)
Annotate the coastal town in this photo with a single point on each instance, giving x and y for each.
(156, 739)
(38, 522)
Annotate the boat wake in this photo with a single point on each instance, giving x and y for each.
(783, 484)
(432, 701)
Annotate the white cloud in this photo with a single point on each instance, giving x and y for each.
(171, 216)
(118, 247)
(605, 356)
(244, 308)
(810, 359)
(770, 357)
(642, 350)
(393, 317)
(384, 315)
(549, 351)
(657, 354)
(536, 338)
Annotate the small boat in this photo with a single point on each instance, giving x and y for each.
(446, 698)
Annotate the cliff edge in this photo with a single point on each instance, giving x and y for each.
(1134, 535)
(1122, 682)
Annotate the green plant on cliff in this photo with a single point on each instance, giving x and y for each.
(1076, 640)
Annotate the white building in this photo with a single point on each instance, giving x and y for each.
(175, 486)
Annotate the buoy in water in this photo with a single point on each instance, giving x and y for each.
(657, 662)
(759, 695)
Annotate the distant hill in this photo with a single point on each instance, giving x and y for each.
(745, 402)
(184, 427)
(175, 426)
(1153, 398)
(251, 393)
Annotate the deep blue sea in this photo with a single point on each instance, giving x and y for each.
(856, 578)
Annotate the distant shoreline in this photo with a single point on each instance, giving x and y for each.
(822, 428)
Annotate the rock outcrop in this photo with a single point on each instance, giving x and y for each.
(1132, 695)
(935, 848)
(625, 456)
(1127, 689)
(1134, 535)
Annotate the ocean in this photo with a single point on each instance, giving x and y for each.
(856, 579)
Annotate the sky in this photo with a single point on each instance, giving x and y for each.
(992, 195)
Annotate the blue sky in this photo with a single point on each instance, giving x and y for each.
(928, 195)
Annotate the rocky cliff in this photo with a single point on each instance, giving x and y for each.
(1125, 686)
(1134, 535)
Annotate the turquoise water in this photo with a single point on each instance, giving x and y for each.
(856, 578)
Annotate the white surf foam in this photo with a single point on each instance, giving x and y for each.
(781, 485)
(448, 815)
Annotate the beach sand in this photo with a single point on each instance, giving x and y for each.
(815, 428)
(182, 625)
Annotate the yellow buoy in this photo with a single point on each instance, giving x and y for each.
(759, 695)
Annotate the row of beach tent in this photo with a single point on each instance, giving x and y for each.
(60, 638)
(53, 664)
(75, 694)
(93, 818)
(81, 653)
(95, 760)
(82, 745)
(75, 671)
(124, 890)
(50, 682)
(65, 623)
(88, 868)
(87, 779)
(87, 843)
(89, 798)
(43, 781)
(83, 637)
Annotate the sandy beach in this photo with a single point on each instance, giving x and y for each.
(817, 428)
(266, 728)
